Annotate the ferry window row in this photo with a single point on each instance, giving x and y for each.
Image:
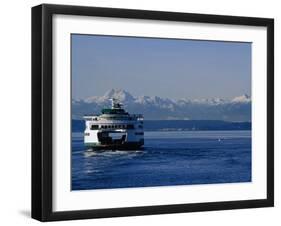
(129, 126)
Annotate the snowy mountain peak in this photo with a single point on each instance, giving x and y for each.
(242, 99)
(126, 97)
(119, 94)
(154, 107)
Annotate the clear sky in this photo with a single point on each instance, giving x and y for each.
(159, 67)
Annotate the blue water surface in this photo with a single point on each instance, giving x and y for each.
(168, 158)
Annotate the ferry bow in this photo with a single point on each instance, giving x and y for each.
(114, 129)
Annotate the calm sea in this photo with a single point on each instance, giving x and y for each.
(168, 158)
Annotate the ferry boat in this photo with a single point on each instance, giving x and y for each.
(114, 129)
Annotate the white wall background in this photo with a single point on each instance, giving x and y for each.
(15, 113)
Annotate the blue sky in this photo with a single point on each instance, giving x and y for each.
(159, 67)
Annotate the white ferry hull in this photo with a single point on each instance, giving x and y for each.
(115, 129)
(121, 140)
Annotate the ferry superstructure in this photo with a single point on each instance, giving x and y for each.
(114, 129)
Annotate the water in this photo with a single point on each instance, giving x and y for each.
(168, 158)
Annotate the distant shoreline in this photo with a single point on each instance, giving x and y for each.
(181, 125)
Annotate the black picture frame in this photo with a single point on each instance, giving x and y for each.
(42, 111)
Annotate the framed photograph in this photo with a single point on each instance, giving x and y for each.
(145, 112)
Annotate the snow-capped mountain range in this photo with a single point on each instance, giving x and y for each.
(236, 109)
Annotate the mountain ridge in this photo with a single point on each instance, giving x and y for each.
(236, 109)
